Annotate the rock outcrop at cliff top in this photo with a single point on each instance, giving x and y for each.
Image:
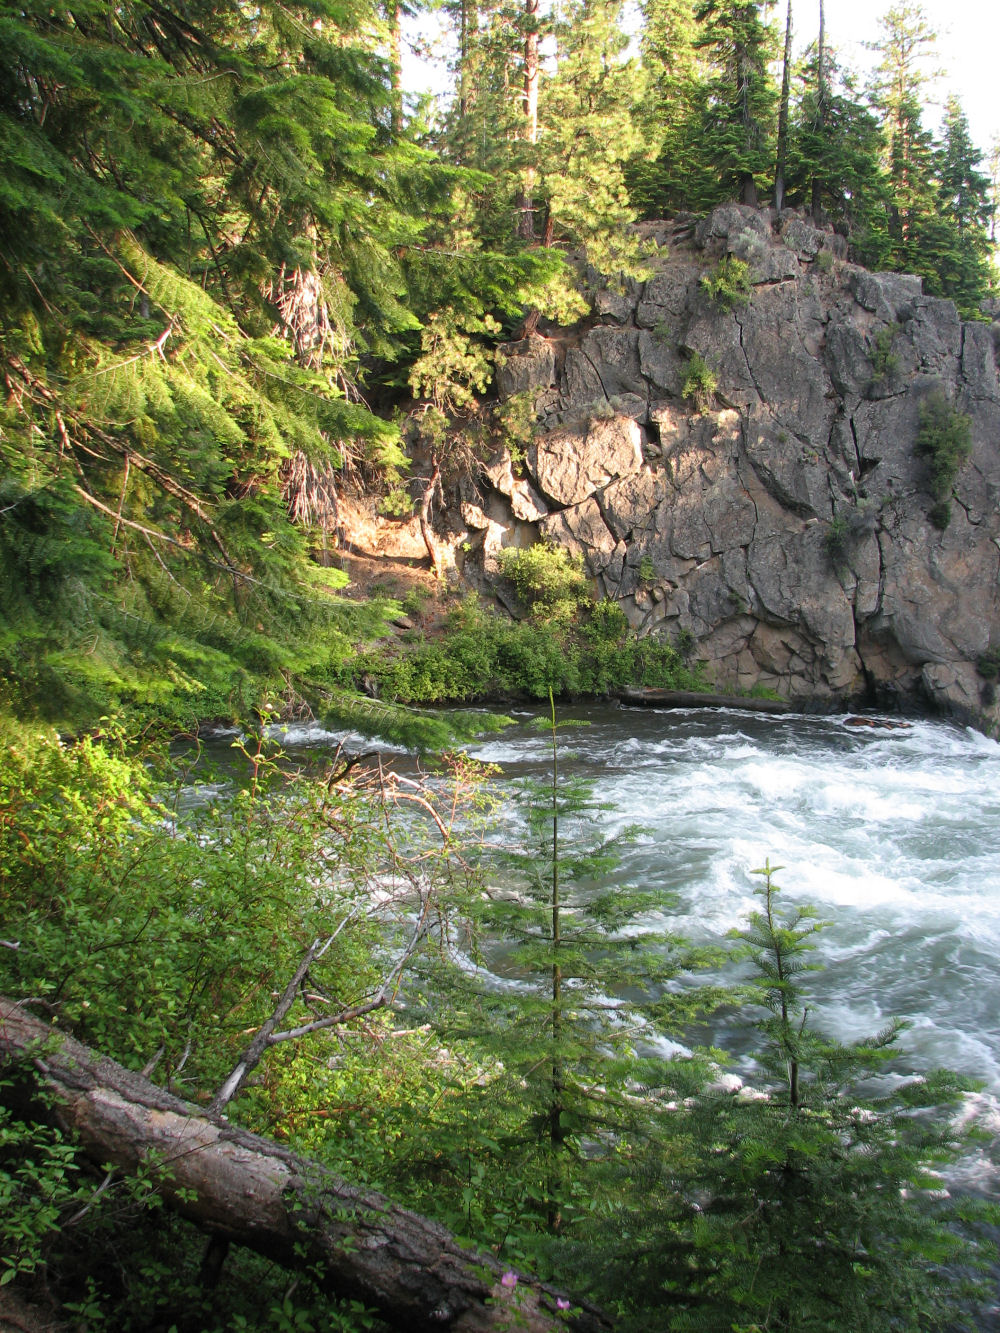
(786, 525)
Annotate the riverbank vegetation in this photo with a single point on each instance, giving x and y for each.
(461, 1007)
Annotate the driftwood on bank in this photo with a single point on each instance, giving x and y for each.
(248, 1190)
(650, 697)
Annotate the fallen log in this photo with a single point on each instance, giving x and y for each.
(651, 697)
(245, 1189)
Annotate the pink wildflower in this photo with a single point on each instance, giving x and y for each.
(509, 1280)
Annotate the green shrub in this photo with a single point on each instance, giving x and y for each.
(729, 285)
(416, 599)
(397, 503)
(685, 642)
(836, 540)
(945, 441)
(547, 578)
(700, 383)
(485, 655)
(824, 261)
(885, 362)
(516, 420)
(608, 622)
(647, 571)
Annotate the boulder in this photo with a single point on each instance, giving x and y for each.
(569, 466)
(525, 366)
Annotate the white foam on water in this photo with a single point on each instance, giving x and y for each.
(893, 836)
(296, 734)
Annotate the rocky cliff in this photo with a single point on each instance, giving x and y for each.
(781, 523)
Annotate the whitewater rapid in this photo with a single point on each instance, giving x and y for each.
(893, 835)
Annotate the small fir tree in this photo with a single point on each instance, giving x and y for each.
(813, 1200)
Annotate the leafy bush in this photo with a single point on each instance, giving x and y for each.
(516, 419)
(836, 540)
(608, 622)
(885, 362)
(547, 578)
(729, 284)
(484, 655)
(700, 383)
(945, 441)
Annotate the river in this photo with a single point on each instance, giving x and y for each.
(893, 835)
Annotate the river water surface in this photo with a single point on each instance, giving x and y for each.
(893, 835)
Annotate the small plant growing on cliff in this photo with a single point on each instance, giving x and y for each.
(945, 441)
(647, 571)
(700, 383)
(396, 503)
(836, 541)
(824, 261)
(516, 420)
(547, 579)
(730, 284)
(885, 361)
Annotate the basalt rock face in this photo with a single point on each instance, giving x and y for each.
(785, 526)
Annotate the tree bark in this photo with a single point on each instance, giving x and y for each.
(782, 149)
(817, 187)
(394, 10)
(527, 218)
(247, 1190)
(426, 527)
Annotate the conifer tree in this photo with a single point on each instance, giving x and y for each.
(907, 42)
(671, 173)
(835, 158)
(781, 149)
(810, 1201)
(737, 120)
(560, 1031)
(201, 218)
(938, 209)
(588, 135)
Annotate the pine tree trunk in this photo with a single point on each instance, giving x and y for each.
(527, 208)
(817, 187)
(395, 15)
(782, 150)
(245, 1189)
(463, 59)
